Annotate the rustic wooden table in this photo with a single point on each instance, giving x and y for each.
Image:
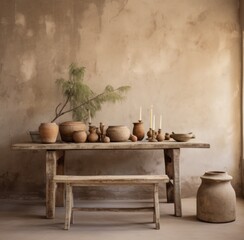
(55, 165)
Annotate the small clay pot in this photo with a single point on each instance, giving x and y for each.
(79, 136)
(133, 138)
(167, 136)
(160, 136)
(48, 132)
(106, 139)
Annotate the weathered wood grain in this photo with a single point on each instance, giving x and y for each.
(56, 151)
(110, 146)
(172, 169)
(110, 180)
(73, 181)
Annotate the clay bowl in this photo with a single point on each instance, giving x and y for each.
(182, 137)
(35, 136)
(67, 129)
(118, 133)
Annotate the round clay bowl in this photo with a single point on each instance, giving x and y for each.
(182, 137)
(118, 133)
(67, 129)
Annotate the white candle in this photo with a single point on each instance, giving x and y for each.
(151, 116)
(160, 122)
(89, 116)
(153, 127)
(140, 114)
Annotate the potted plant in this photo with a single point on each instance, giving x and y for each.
(81, 100)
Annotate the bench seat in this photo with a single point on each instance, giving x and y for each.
(101, 180)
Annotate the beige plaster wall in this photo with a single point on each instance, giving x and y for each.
(182, 57)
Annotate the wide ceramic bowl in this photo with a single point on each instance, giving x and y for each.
(118, 133)
(182, 137)
(66, 130)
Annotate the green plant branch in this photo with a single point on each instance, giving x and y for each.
(61, 112)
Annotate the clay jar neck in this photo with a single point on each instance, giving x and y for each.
(216, 176)
(92, 129)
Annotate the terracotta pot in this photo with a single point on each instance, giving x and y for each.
(79, 136)
(138, 130)
(48, 132)
(216, 199)
(67, 129)
(118, 133)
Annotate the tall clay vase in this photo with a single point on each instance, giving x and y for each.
(48, 132)
(138, 130)
(216, 198)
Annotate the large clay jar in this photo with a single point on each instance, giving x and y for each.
(216, 199)
(138, 130)
(48, 132)
(118, 133)
(67, 129)
(79, 136)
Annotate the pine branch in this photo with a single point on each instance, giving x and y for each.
(86, 102)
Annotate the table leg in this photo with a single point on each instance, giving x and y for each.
(51, 169)
(60, 191)
(172, 169)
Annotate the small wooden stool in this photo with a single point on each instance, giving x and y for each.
(74, 181)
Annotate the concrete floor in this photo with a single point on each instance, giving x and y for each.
(25, 219)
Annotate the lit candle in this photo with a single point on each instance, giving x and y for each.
(151, 116)
(153, 127)
(160, 122)
(89, 116)
(140, 115)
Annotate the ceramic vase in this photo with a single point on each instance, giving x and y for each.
(216, 199)
(93, 136)
(138, 130)
(48, 132)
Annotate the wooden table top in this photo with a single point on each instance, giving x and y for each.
(140, 145)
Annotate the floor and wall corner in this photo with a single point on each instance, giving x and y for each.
(182, 57)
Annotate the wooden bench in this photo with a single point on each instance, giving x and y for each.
(73, 181)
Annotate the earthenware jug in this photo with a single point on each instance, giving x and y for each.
(92, 137)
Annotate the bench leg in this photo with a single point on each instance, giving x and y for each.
(156, 207)
(72, 205)
(68, 206)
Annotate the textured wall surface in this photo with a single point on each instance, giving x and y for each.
(182, 57)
